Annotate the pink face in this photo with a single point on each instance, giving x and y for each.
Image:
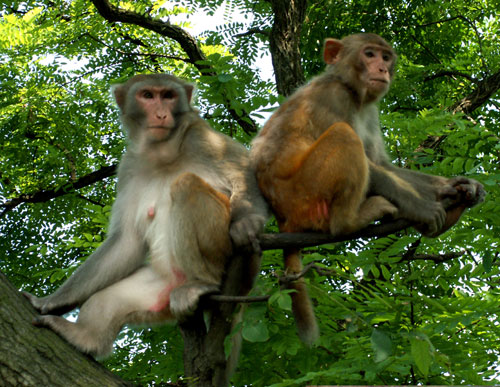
(378, 61)
(159, 104)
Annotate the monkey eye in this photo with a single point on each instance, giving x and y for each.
(386, 57)
(168, 94)
(147, 94)
(369, 53)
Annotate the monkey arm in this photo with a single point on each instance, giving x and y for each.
(469, 191)
(417, 205)
(435, 202)
(249, 211)
(119, 255)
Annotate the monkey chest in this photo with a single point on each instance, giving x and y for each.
(154, 215)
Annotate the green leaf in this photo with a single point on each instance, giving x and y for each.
(285, 301)
(487, 261)
(256, 333)
(421, 353)
(224, 78)
(381, 345)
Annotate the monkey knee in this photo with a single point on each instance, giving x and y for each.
(191, 189)
(342, 129)
(185, 183)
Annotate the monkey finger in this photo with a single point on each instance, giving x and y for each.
(454, 181)
(244, 231)
(472, 193)
(447, 191)
(256, 246)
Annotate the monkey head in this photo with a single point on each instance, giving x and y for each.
(150, 106)
(365, 62)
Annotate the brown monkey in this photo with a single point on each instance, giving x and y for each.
(185, 195)
(321, 164)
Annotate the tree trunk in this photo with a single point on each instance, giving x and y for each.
(31, 356)
(205, 360)
(284, 42)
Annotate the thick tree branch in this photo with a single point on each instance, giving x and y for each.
(187, 42)
(484, 90)
(30, 356)
(300, 240)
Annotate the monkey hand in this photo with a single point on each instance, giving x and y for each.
(245, 230)
(470, 191)
(429, 216)
(44, 305)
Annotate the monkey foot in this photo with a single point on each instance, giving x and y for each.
(184, 299)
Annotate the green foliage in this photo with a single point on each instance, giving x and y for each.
(385, 316)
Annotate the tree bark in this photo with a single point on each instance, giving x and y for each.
(284, 42)
(205, 360)
(30, 356)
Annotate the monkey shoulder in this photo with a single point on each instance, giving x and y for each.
(203, 143)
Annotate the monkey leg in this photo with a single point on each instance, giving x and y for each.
(328, 186)
(142, 297)
(373, 208)
(199, 219)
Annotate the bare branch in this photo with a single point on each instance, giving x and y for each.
(452, 74)
(245, 299)
(253, 31)
(46, 195)
(300, 240)
(437, 258)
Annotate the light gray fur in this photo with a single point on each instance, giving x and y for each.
(189, 232)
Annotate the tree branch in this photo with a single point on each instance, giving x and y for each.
(483, 91)
(46, 195)
(254, 31)
(452, 74)
(437, 258)
(300, 240)
(187, 42)
(238, 299)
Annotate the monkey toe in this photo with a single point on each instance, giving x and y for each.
(41, 321)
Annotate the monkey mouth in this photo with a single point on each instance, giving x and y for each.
(159, 127)
(379, 80)
(158, 133)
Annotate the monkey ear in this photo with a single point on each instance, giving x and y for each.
(189, 91)
(331, 50)
(119, 93)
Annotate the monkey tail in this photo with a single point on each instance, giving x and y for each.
(302, 307)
